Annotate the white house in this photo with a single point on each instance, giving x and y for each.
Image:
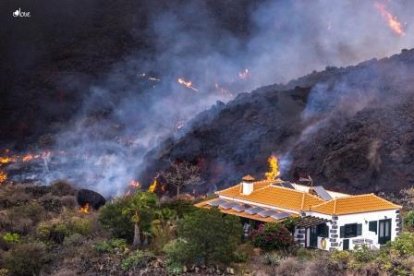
(328, 220)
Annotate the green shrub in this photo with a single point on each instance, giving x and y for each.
(113, 219)
(272, 259)
(138, 259)
(272, 236)
(178, 252)
(163, 229)
(409, 220)
(340, 259)
(111, 246)
(51, 203)
(364, 255)
(11, 237)
(174, 268)
(304, 254)
(79, 225)
(290, 223)
(32, 211)
(210, 237)
(75, 239)
(404, 244)
(26, 259)
(52, 231)
(243, 253)
(180, 206)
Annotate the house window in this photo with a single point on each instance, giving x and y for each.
(373, 226)
(351, 230)
(323, 230)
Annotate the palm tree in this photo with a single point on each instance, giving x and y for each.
(141, 204)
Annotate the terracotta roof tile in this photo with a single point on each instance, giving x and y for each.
(354, 204)
(273, 195)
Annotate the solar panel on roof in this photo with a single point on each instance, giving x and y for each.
(280, 215)
(238, 208)
(216, 202)
(265, 213)
(287, 185)
(227, 205)
(322, 193)
(253, 210)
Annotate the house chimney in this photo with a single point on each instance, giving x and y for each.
(247, 185)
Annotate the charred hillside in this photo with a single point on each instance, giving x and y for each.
(349, 128)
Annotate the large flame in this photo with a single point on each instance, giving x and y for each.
(187, 84)
(3, 177)
(273, 172)
(153, 187)
(85, 209)
(392, 20)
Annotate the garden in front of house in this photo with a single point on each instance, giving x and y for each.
(43, 232)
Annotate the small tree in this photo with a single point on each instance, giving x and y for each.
(140, 206)
(272, 236)
(182, 174)
(208, 236)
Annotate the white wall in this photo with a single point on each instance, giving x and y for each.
(364, 219)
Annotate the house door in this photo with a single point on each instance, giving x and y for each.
(384, 231)
(346, 244)
(313, 239)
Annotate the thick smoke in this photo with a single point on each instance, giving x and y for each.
(104, 145)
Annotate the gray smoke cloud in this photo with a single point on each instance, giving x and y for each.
(105, 144)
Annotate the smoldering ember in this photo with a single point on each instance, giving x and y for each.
(207, 137)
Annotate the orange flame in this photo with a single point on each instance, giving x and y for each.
(5, 160)
(153, 187)
(85, 209)
(187, 84)
(392, 20)
(3, 177)
(273, 172)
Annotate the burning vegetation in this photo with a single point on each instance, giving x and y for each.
(85, 209)
(153, 187)
(3, 177)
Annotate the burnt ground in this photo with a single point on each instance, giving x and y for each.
(350, 129)
(358, 136)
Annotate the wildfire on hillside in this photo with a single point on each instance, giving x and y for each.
(3, 177)
(273, 172)
(187, 84)
(85, 209)
(392, 21)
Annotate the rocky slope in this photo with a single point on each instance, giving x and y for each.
(351, 129)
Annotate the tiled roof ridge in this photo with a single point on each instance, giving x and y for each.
(387, 201)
